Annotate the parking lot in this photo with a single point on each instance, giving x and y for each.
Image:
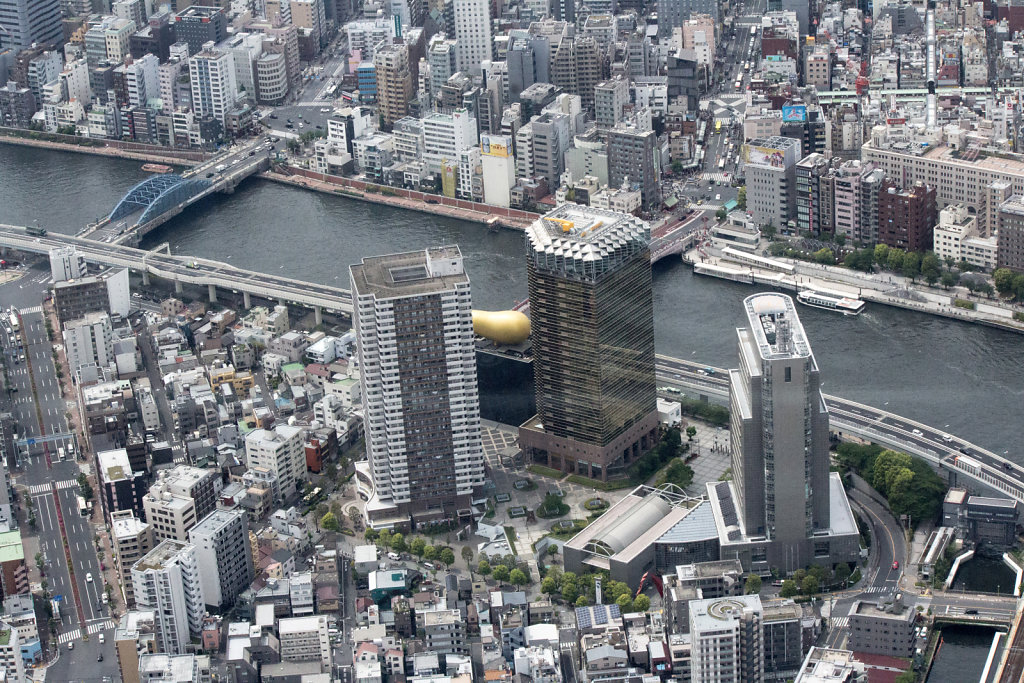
(302, 117)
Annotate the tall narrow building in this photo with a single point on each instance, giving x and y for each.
(221, 541)
(592, 317)
(473, 34)
(414, 325)
(394, 81)
(24, 23)
(167, 581)
(577, 66)
(782, 510)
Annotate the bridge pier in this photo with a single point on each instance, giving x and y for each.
(178, 287)
(318, 314)
(145, 278)
(213, 293)
(246, 300)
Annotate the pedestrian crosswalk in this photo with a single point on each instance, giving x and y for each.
(715, 177)
(839, 622)
(39, 489)
(68, 636)
(31, 309)
(878, 589)
(101, 626)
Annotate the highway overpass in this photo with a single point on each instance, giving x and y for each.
(187, 270)
(964, 463)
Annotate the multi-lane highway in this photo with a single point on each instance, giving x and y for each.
(185, 269)
(66, 540)
(944, 450)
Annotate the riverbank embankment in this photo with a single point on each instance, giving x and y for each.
(108, 148)
(404, 199)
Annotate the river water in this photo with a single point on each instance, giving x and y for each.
(941, 372)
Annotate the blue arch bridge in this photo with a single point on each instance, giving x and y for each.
(157, 194)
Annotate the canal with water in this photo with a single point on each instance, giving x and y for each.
(962, 654)
(967, 378)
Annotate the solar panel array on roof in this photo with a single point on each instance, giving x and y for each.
(726, 504)
(598, 615)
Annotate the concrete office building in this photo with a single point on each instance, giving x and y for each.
(610, 98)
(11, 663)
(108, 292)
(221, 541)
(885, 627)
(634, 161)
(1010, 236)
(809, 209)
(305, 639)
(825, 665)
(727, 639)
(413, 320)
(167, 581)
(198, 25)
(132, 538)
(180, 668)
(178, 499)
(441, 56)
(30, 22)
(499, 169)
(589, 272)
(673, 13)
(17, 106)
(120, 487)
(214, 88)
(89, 341)
(956, 178)
(134, 637)
(171, 515)
(445, 136)
(473, 34)
(906, 217)
(768, 516)
(279, 450)
(576, 67)
(311, 15)
(550, 138)
(393, 73)
(769, 165)
(66, 264)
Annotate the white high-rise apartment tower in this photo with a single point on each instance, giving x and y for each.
(414, 324)
(473, 33)
(214, 88)
(167, 581)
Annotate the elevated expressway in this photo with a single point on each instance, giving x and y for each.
(953, 455)
(966, 462)
(182, 270)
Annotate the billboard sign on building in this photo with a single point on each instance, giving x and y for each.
(764, 156)
(496, 145)
(449, 175)
(794, 113)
